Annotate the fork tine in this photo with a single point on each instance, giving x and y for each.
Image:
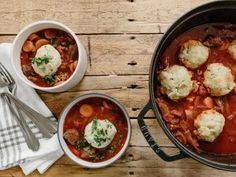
(9, 78)
(2, 72)
(5, 73)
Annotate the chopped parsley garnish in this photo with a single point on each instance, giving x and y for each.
(49, 79)
(94, 125)
(53, 41)
(81, 144)
(100, 131)
(120, 140)
(109, 126)
(40, 60)
(98, 139)
(111, 149)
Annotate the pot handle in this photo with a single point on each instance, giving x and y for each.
(157, 149)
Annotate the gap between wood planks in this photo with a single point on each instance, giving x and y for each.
(121, 55)
(94, 17)
(97, 34)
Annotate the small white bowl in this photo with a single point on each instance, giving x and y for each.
(63, 142)
(35, 27)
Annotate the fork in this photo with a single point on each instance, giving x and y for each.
(31, 141)
(45, 125)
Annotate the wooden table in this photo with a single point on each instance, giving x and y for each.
(119, 36)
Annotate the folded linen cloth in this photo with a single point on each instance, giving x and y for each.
(13, 148)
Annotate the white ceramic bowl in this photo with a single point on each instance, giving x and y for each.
(67, 150)
(37, 26)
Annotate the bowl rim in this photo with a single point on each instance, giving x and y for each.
(64, 146)
(69, 31)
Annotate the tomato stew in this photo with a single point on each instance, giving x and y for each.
(80, 115)
(63, 42)
(180, 117)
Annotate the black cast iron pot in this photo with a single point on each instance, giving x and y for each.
(219, 11)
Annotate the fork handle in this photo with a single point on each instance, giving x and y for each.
(31, 140)
(37, 117)
(43, 129)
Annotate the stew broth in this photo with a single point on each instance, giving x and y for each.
(102, 109)
(181, 124)
(63, 43)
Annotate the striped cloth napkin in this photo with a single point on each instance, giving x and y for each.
(13, 148)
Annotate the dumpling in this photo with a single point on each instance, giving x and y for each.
(193, 54)
(218, 79)
(209, 124)
(176, 82)
(47, 60)
(232, 49)
(99, 133)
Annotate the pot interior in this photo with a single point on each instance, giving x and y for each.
(220, 11)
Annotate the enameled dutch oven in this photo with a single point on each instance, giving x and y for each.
(218, 11)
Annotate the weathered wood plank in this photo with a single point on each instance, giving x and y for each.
(96, 16)
(115, 54)
(159, 136)
(111, 82)
(137, 157)
(121, 54)
(132, 99)
(138, 163)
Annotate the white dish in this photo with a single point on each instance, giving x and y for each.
(65, 147)
(35, 27)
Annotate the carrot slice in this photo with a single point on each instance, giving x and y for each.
(33, 37)
(40, 43)
(73, 65)
(104, 103)
(86, 110)
(28, 46)
(49, 34)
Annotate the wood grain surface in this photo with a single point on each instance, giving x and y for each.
(119, 37)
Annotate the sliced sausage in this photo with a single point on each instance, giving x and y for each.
(71, 135)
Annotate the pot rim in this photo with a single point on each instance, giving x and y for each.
(152, 71)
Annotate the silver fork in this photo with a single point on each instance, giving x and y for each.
(31, 141)
(46, 126)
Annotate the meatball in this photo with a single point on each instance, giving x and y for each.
(232, 49)
(209, 124)
(176, 82)
(218, 79)
(71, 135)
(193, 54)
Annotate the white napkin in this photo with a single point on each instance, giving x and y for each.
(13, 149)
